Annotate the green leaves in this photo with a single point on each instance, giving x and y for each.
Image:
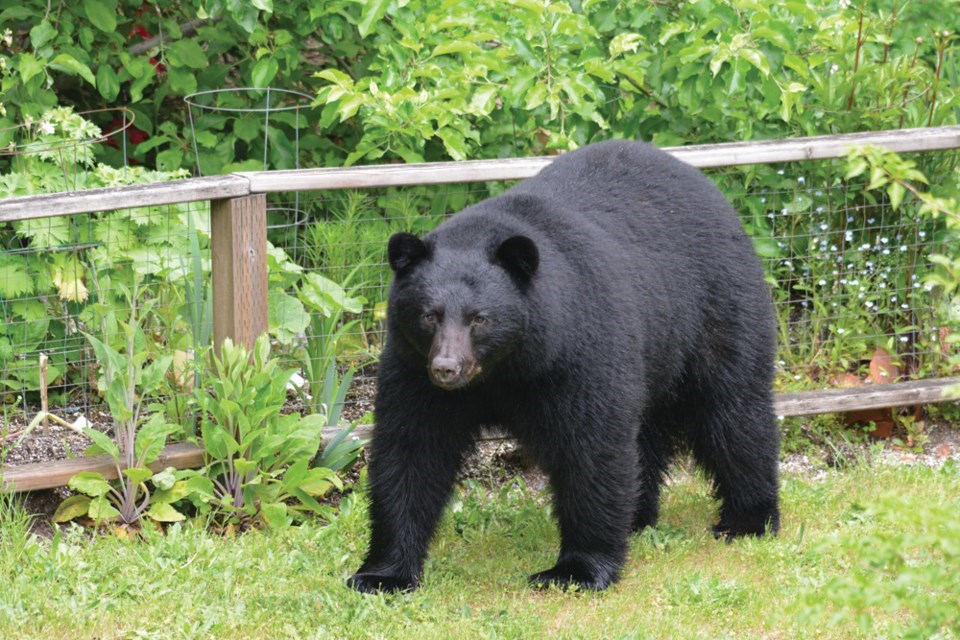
(102, 14)
(187, 53)
(252, 450)
(371, 13)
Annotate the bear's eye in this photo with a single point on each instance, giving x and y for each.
(430, 317)
(478, 321)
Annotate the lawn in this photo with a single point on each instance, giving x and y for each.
(866, 552)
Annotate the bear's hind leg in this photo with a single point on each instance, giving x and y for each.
(655, 451)
(735, 439)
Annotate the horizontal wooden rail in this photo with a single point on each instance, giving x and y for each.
(46, 475)
(390, 175)
(57, 473)
(702, 156)
(874, 396)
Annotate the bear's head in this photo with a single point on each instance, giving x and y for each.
(461, 308)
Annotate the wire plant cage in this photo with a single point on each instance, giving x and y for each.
(66, 139)
(251, 129)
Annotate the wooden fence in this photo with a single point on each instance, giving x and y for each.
(238, 249)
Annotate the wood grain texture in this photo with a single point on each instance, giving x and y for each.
(875, 396)
(703, 156)
(138, 195)
(238, 243)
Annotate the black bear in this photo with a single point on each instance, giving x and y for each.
(608, 313)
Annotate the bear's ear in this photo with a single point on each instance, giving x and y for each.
(520, 256)
(405, 250)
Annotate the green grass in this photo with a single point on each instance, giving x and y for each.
(864, 553)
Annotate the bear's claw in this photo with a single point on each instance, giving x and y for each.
(380, 583)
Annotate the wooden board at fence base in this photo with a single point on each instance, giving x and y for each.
(873, 396)
(57, 473)
(46, 475)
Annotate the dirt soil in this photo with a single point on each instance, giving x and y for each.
(494, 462)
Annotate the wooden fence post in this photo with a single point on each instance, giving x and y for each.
(238, 244)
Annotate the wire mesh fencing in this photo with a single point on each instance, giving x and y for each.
(848, 277)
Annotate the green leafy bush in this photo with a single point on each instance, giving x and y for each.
(258, 461)
(129, 379)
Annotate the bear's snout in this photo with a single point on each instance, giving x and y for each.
(445, 371)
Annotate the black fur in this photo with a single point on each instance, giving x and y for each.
(608, 312)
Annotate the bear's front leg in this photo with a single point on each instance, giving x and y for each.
(412, 472)
(594, 497)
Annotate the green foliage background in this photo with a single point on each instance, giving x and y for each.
(432, 79)
(425, 80)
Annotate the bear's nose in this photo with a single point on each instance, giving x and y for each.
(445, 370)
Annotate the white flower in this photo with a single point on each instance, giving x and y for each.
(868, 304)
(884, 240)
(824, 227)
(839, 330)
(822, 282)
(904, 339)
(834, 69)
(46, 127)
(801, 180)
(848, 236)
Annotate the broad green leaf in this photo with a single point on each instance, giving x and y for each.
(72, 507)
(153, 374)
(107, 82)
(624, 43)
(42, 34)
(350, 105)
(326, 296)
(455, 46)
(243, 466)
(90, 483)
(102, 14)
(275, 515)
(28, 66)
(164, 512)
(372, 12)
(673, 29)
(106, 444)
(137, 475)
(757, 59)
(319, 480)
(187, 53)
(69, 64)
(248, 129)
(149, 441)
(165, 480)
(46, 233)
(287, 317)
(264, 71)
(15, 282)
(101, 509)
(896, 191)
